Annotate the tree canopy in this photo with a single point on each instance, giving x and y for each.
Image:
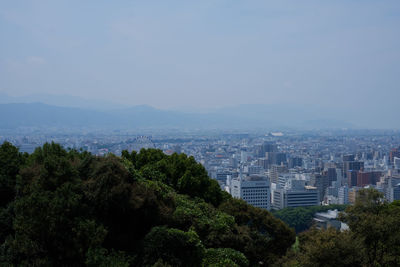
(72, 208)
(373, 238)
(301, 218)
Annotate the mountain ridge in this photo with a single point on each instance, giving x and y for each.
(14, 115)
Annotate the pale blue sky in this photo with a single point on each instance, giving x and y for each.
(338, 54)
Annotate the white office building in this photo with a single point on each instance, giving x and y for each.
(295, 194)
(254, 189)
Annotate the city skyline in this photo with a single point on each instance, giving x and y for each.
(199, 133)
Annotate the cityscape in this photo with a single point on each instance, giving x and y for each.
(274, 170)
(200, 133)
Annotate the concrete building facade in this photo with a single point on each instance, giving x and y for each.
(254, 189)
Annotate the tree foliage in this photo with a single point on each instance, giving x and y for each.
(372, 240)
(71, 208)
(10, 162)
(375, 223)
(269, 236)
(224, 257)
(324, 248)
(301, 218)
(173, 246)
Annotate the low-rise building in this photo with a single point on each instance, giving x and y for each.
(323, 220)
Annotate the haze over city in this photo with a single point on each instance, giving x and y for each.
(199, 133)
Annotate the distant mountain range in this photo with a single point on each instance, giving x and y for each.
(16, 115)
(60, 101)
(46, 110)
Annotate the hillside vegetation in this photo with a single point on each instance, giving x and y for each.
(71, 208)
(373, 238)
(301, 218)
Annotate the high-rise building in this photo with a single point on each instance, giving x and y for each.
(263, 163)
(285, 179)
(339, 178)
(221, 175)
(349, 157)
(266, 147)
(396, 163)
(395, 153)
(352, 166)
(296, 197)
(254, 169)
(392, 193)
(295, 162)
(352, 178)
(320, 181)
(233, 162)
(254, 189)
(391, 187)
(276, 158)
(353, 192)
(332, 190)
(244, 156)
(367, 178)
(275, 171)
(343, 195)
(332, 176)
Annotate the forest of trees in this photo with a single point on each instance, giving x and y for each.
(71, 208)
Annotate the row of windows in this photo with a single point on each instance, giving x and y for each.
(256, 195)
(255, 190)
(256, 200)
(258, 203)
(261, 205)
(259, 194)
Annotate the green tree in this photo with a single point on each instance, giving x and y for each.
(262, 237)
(329, 248)
(224, 257)
(69, 207)
(49, 221)
(375, 223)
(127, 208)
(173, 246)
(147, 156)
(179, 171)
(301, 218)
(214, 227)
(130, 156)
(10, 162)
(102, 258)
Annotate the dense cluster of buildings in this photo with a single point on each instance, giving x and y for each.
(271, 171)
(307, 177)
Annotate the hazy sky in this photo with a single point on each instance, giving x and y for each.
(204, 53)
